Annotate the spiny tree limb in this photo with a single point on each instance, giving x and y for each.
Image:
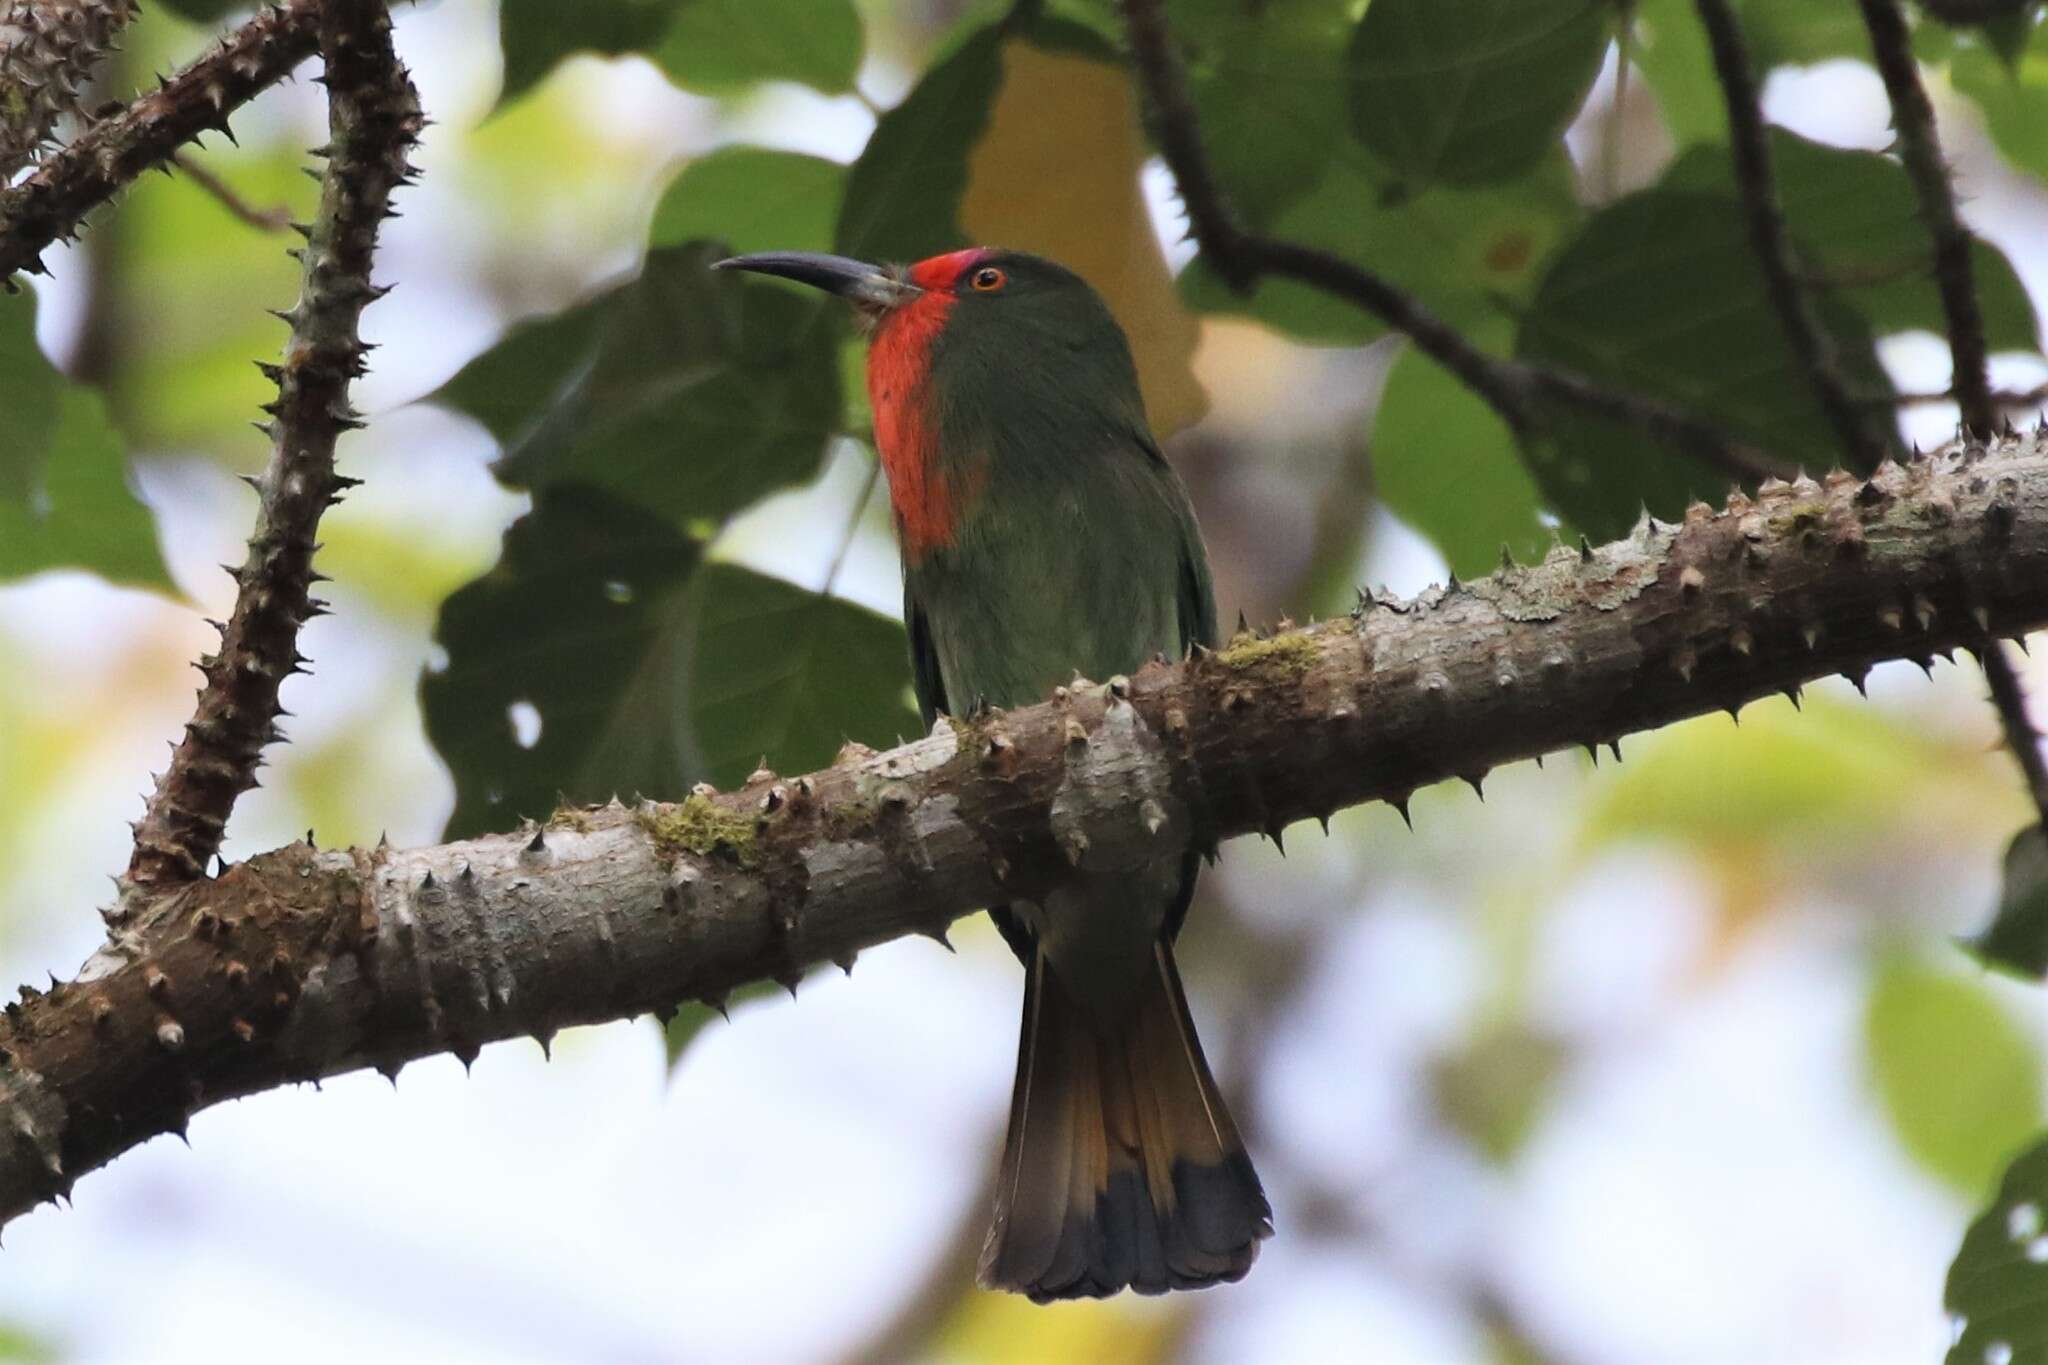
(50, 205)
(1920, 150)
(1771, 243)
(374, 118)
(48, 49)
(303, 963)
(1512, 388)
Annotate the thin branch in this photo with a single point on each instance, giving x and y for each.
(50, 205)
(274, 219)
(1750, 144)
(860, 507)
(1512, 388)
(373, 118)
(305, 963)
(48, 50)
(1920, 150)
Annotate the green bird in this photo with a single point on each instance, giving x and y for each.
(1042, 533)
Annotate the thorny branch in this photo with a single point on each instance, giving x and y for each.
(304, 963)
(1513, 388)
(48, 49)
(1771, 243)
(50, 204)
(374, 117)
(1920, 150)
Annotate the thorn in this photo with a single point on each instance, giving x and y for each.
(1474, 781)
(539, 844)
(844, 962)
(1152, 815)
(939, 936)
(1811, 634)
(1614, 747)
(1792, 695)
(1273, 832)
(1400, 803)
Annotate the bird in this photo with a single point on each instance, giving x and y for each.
(1042, 533)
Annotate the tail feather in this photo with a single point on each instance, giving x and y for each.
(1122, 1168)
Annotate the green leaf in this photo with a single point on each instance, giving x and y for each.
(1463, 252)
(754, 200)
(576, 621)
(537, 34)
(687, 393)
(1671, 50)
(1472, 91)
(715, 46)
(2018, 935)
(1857, 223)
(2013, 97)
(84, 515)
(1998, 1283)
(1958, 1078)
(781, 673)
(202, 12)
(18, 1347)
(903, 194)
(64, 496)
(1660, 294)
(1446, 464)
(1270, 86)
(29, 397)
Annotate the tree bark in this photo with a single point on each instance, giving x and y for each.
(303, 963)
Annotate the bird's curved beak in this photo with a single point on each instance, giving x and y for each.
(870, 288)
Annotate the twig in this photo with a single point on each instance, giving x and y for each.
(1749, 141)
(50, 205)
(1920, 150)
(373, 118)
(274, 219)
(302, 963)
(860, 506)
(1512, 388)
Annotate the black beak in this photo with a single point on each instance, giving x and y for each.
(869, 288)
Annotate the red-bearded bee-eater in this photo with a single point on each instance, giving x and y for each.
(1042, 534)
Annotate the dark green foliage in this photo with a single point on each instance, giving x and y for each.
(752, 199)
(578, 621)
(1998, 1285)
(778, 672)
(1859, 228)
(686, 393)
(1471, 91)
(903, 195)
(2017, 938)
(705, 45)
(1660, 294)
(536, 34)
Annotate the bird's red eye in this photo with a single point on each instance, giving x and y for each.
(988, 279)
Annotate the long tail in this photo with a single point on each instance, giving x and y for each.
(1122, 1167)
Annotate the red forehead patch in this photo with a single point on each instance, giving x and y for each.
(943, 272)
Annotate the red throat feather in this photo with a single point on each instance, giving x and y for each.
(927, 502)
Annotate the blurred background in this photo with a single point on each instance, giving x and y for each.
(1666, 1060)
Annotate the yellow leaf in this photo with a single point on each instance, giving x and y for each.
(1056, 174)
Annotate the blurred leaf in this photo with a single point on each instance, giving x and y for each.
(903, 194)
(204, 11)
(1494, 1088)
(1672, 53)
(1857, 223)
(1998, 1284)
(2018, 935)
(18, 1345)
(989, 1328)
(64, 496)
(752, 199)
(1833, 780)
(576, 621)
(1472, 91)
(686, 393)
(1958, 1078)
(186, 309)
(537, 34)
(84, 515)
(714, 46)
(1446, 464)
(1463, 252)
(778, 672)
(2012, 94)
(30, 390)
(1660, 294)
(1052, 101)
(1270, 84)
